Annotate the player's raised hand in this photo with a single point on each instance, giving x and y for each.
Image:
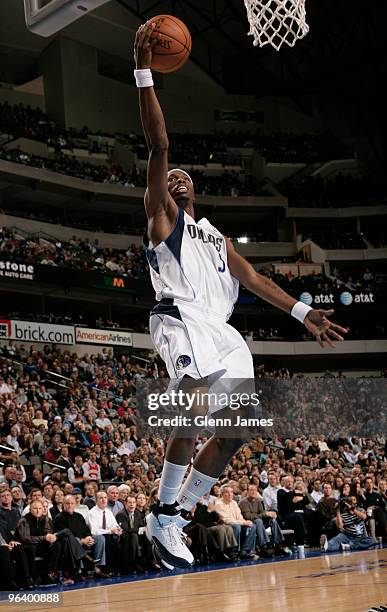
(144, 44)
(323, 330)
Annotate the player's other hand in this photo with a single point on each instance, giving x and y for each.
(323, 330)
(143, 45)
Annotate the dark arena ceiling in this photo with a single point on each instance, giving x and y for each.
(338, 68)
(344, 48)
(343, 54)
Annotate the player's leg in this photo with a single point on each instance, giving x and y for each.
(208, 465)
(165, 522)
(236, 380)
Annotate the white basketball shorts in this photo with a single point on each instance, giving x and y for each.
(195, 344)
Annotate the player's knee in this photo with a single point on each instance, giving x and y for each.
(195, 396)
(229, 445)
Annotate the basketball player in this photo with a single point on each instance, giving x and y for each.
(196, 273)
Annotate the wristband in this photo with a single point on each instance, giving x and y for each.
(143, 77)
(300, 310)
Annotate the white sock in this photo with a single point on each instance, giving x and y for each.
(170, 483)
(196, 485)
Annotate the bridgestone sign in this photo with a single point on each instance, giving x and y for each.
(18, 271)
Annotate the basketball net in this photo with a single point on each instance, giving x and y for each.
(275, 22)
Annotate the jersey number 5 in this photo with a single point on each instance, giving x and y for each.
(223, 266)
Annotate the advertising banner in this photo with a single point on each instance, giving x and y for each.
(17, 271)
(346, 298)
(28, 331)
(103, 336)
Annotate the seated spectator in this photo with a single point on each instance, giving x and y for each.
(270, 492)
(79, 506)
(316, 493)
(120, 476)
(107, 472)
(102, 421)
(69, 519)
(350, 521)
(64, 458)
(37, 480)
(221, 538)
(102, 524)
(18, 497)
(12, 552)
(75, 473)
(253, 509)
(57, 503)
(291, 506)
(132, 523)
(230, 513)
(91, 469)
(9, 511)
(35, 494)
(36, 533)
(114, 504)
(376, 507)
(141, 501)
(9, 476)
(48, 491)
(326, 510)
(91, 489)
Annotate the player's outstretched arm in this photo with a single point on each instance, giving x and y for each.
(315, 321)
(160, 208)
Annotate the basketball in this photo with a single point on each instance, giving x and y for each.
(174, 46)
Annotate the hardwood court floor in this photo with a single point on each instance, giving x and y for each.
(349, 582)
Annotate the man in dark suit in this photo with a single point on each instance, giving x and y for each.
(131, 521)
(12, 551)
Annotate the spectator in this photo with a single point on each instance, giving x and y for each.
(103, 525)
(230, 513)
(289, 502)
(18, 497)
(12, 552)
(36, 533)
(9, 511)
(91, 469)
(350, 521)
(9, 476)
(114, 504)
(76, 473)
(57, 503)
(79, 507)
(91, 489)
(375, 506)
(316, 493)
(252, 509)
(326, 510)
(132, 523)
(75, 522)
(221, 538)
(270, 493)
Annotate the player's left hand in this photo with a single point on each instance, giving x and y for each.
(323, 330)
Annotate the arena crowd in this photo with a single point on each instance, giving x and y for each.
(80, 473)
(85, 255)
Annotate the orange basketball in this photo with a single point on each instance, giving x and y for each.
(174, 46)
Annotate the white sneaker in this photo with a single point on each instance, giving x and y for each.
(345, 547)
(323, 543)
(165, 534)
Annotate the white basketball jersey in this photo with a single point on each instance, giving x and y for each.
(191, 266)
